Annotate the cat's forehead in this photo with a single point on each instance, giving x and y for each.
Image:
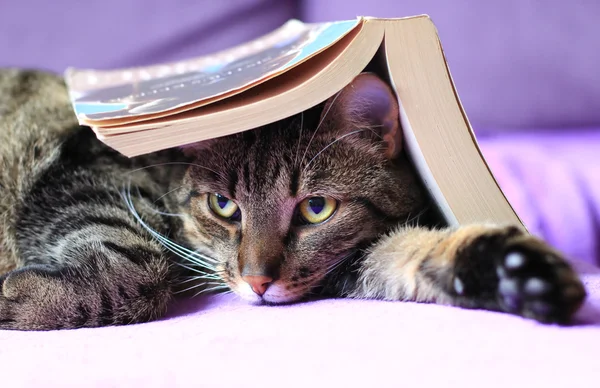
(294, 157)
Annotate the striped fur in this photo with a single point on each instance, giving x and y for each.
(90, 238)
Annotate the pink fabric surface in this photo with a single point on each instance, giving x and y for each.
(223, 342)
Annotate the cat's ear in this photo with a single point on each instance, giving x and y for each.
(368, 102)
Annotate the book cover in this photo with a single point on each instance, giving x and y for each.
(126, 94)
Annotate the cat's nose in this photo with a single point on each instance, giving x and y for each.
(258, 283)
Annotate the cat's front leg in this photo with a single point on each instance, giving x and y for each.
(477, 266)
(98, 268)
(106, 287)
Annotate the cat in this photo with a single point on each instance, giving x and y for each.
(324, 203)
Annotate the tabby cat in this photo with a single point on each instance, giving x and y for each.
(321, 204)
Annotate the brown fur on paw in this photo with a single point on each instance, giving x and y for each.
(32, 299)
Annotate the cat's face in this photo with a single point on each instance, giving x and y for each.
(280, 206)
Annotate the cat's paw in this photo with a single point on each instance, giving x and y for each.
(31, 299)
(538, 284)
(517, 273)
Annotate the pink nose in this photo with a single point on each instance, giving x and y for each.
(258, 283)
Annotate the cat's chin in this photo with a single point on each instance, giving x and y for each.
(275, 294)
(279, 295)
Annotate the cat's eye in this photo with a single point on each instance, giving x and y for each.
(315, 210)
(224, 207)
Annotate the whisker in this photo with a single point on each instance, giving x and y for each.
(189, 288)
(155, 211)
(215, 284)
(184, 253)
(166, 214)
(416, 217)
(203, 276)
(370, 128)
(338, 263)
(319, 125)
(190, 268)
(215, 288)
(158, 236)
(196, 278)
(330, 144)
(167, 193)
(299, 138)
(178, 163)
(194, 257)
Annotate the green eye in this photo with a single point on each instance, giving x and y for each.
(315, 210)
(223, 207)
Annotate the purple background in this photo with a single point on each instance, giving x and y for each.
(528, 74)
(516, 63)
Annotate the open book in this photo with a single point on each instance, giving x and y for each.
(141, 110)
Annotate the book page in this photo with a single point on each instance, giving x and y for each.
(118, 94)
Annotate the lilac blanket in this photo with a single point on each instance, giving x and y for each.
(221, 341)
(224, 342)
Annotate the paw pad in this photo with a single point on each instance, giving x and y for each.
(532, 285)
(537, 287)
(514, 260)
(459, 286)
